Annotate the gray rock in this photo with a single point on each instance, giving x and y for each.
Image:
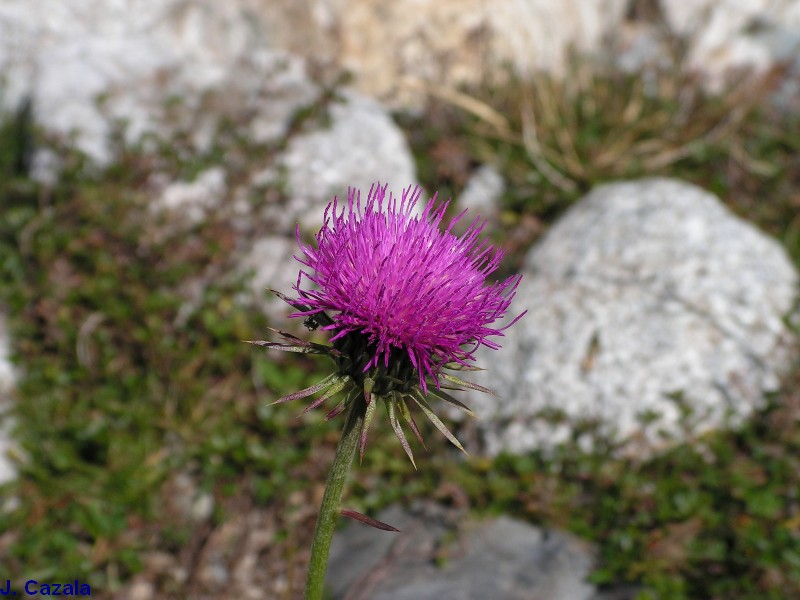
(362, 146)
(647, 299)
(435, 558)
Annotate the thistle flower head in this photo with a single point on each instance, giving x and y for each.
(403, 300)
(403, 284)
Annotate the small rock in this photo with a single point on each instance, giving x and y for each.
(191, 201)
(189, 502)
(202, 507)
(643, 48)
(434, 558)
(272, 266)
(362, 146)
(141, 589)
(645, 300)
(482, 193)
(728, 36)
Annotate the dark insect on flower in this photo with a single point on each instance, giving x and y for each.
(311, 324)
(407, 302)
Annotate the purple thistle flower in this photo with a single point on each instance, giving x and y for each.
(402, 284)
(407, 301)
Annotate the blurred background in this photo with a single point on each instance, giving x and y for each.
(637, 160)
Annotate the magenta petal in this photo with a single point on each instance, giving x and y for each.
(402, 282)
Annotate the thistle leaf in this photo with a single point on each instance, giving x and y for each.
(369, 383)
(309, 391)
(258, 342)
(330, 392)
(368, 415)
(454, 401)
(289, 336)
(409, 418)
(447, 386)
(304, 349)
(361, 518)
(322, 348)
(468, 384)
(390, 407)
(320, 317)
(456, 366)
(423, 404)
(337, 410)
(296, 344)
(290, 301)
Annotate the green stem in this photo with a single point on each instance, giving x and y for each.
(329, 511)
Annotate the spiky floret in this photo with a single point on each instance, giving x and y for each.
(408, 300)
(402, 283)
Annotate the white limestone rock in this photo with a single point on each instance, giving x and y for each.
(362, 146)
(483, 191)
(724, 36)
(190, 201)
(401, 51)
(643, 291)
(270, 264)
(158, 67)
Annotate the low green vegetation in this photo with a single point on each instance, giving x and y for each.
(133, 375)
(129, 376)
